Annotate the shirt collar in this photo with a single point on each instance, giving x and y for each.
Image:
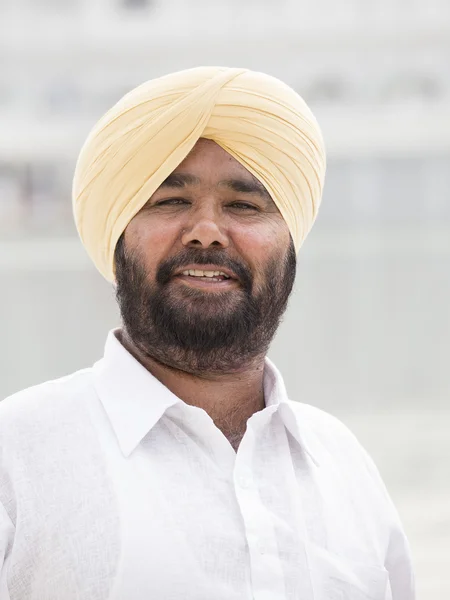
(275, 395)
(134, 400)
(132, 397)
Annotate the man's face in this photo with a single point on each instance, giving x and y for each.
(210, 216)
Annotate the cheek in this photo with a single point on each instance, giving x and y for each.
(261, 245)
(262, 240)
(152, 241)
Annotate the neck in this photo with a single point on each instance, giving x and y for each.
(230, 399)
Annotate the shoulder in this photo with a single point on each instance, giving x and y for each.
(47, 402)
(325, 425)
(38, 428)
(338, 448)
(332, 439)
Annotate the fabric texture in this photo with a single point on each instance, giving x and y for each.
(257, 119)
(112, 488)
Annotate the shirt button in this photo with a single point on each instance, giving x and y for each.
(244, 482)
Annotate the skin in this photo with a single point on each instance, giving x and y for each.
(205, 212)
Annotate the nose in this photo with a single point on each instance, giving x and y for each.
(204, 231)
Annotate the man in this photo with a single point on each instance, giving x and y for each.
(176, 467)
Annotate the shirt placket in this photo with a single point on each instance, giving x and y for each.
(265, 565)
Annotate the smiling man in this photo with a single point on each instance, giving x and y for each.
(176, 467)
(204, 272)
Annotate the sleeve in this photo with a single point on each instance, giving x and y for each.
(398, 560)
(6, 537)
(399, 566)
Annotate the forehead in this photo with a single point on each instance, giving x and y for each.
(209, 163)
(207, 153)
(207, 157)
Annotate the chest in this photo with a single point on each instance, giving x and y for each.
(187, 518)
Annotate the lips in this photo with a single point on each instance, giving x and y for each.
(206, 272)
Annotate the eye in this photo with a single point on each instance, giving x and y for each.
(243, 206)
(171, 202)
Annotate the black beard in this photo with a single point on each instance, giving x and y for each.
(197, 331)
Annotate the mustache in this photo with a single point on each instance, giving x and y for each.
(167, 268)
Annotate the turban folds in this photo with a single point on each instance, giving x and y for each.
(139, 142)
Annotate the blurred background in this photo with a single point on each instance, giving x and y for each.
(367, 333)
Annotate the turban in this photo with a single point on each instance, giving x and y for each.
(260, 121)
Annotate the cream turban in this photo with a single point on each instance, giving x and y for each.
(257, 119)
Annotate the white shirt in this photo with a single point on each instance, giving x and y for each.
(113, 488)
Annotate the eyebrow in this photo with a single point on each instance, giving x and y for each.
(246, 187)
(180, 180)
(253, 186)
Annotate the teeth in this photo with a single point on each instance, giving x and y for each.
(198, 273)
